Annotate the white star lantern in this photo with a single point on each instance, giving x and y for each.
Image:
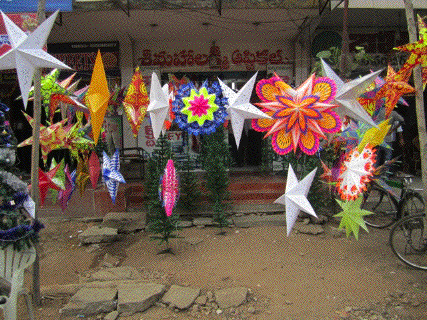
(159, 105)
(295, 197)
(239, 108)
(347, 94)
(27, 53)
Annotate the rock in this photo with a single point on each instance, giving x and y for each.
(180, 297)
(119, 273)
(98, 234)
(185, 224)
(112, 315)
(134, 298)
(193, 240)
(89, 301)
(247, 221)
(231, 297)
(110, 261)
(93, 248)
(309, 228)
(201, 300)
(202, 222)
(337, 233)
(306, 221)
(251, 310)
(210, 296)
(64, 290)
(321, 219)
(125, 222)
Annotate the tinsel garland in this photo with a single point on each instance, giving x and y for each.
(13, 181)
(21, 232)
(17, 201)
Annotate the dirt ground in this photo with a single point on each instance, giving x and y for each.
(297, 277)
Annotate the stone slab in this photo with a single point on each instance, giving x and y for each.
(125, 222)
(98, 234)
(114, 274)
(202, 221)
(308, 228)
(231, 297)
(180, 297)
(90, 301)
(252, 220)
(134, 298)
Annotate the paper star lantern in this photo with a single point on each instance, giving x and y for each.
(136, 102)
(51, 137)
(97, 97)
(374, 136)
(347, 94)
(329, 175)
(94, 169)
(110, 173)
(65, 195)
(393, 89)
(199, 111)
(27, 53)
(239, 108)
(295, 197)
(300, 117)
(356, 171)
(159, 105)
(82, 173)
(58, 178)
(352, 216)
(46, 182)
(169, 188)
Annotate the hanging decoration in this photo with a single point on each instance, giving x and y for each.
(159, 105)
(110, 173)
(169, 188)
(200, 111)
(27, 53)
(82, 173)
(94, 169)
(348, 92)
(46, 182)
(355, 172)
(239, 108)
(352, 216)
(136, 102)
(374, 136)
(300, 117)
(64, 196)
(97, 97)
(295, 197)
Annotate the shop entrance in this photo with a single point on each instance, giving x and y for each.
(249, 152)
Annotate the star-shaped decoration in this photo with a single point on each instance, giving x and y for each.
(352, 216)
(169, 191)
(374, 136)
(239, 108)
(65, 195)
(46, 182)
(82, 174)
(393, 89)
(295, 197)
(110, 173)
(94, 169)
(27, 53)
(97, 97)
(159, 105)
(347, 94)
(199, 106)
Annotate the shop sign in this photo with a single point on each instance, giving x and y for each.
(81, 56)
(9, 6)
(250, 59)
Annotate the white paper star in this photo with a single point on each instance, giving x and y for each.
(347, 94)
(239, 108)
(159, 105)
(27, 53)
(295, 197)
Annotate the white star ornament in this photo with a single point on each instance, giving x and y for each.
(239, 108)
(27, 53)
(159, 105)
(347, 94)
(295, 197)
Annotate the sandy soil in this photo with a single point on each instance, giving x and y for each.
(297, 277)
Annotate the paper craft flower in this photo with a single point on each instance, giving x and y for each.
(136, 102)
(356, 170)
(110, 173)
(169, 188)
(300, 117)
(199, 111)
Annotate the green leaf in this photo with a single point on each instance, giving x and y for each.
(324, 54)
(352, 216)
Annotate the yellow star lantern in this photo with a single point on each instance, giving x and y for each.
(375, 136)
(97, 97)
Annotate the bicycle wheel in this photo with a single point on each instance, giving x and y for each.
(383, 206)
(412, 205)
(408, 241)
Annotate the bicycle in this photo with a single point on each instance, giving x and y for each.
(388, 207)
(408, 241)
